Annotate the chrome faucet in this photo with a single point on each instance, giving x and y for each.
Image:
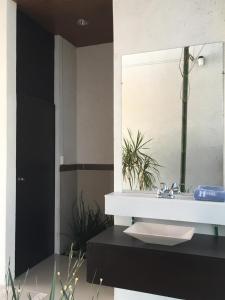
(165, 192)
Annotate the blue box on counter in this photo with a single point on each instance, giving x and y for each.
(210, 193)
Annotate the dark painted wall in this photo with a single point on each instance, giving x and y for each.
(35, 59)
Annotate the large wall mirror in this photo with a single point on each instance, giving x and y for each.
(173, 117)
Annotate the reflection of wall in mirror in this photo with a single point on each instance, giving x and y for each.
(152, 104)
(205, 120)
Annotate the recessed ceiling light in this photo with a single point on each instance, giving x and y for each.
(82, 22)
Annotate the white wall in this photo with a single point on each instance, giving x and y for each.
(94, 121)
(65, 98)
(65, 105)
(7, 135)
(143, 25)
(84, 102)
(84, 126)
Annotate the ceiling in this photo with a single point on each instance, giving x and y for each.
(60, 17)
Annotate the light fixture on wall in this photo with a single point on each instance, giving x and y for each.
(82, 22)
(191, 57)
(201, 61)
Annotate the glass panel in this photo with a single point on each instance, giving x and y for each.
(153, 102)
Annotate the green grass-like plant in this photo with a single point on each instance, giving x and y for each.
(68, 287)
(139, 169)
(88, 221)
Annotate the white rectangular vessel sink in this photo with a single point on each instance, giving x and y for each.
(162, 234)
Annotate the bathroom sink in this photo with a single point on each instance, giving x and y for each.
(162, 234)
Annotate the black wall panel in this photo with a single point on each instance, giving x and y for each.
(35, 144)
(35, 59)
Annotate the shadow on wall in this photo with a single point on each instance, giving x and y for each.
(93, 183)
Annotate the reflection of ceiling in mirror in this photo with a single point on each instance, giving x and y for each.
(162, 56)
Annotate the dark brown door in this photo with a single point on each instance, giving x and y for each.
(35, 182)
(35, 144)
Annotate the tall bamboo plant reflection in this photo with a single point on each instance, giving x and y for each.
(187, 57)
(139, 169)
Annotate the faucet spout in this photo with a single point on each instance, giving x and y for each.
(165, 192)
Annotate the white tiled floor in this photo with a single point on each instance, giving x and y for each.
(39, 280)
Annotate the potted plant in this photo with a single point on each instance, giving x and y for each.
(87, 223)
(139, 168)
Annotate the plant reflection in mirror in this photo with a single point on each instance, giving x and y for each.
(139, 168)
(67, 287)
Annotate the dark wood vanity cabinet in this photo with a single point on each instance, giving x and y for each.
(194, 270)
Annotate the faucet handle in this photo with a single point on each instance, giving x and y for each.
(175, 188)
(163, 186)
(171, 194)
(159, 193)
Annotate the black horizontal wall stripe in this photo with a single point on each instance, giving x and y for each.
(94, 167)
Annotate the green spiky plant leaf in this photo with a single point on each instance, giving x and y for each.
(68, 287)
(139, 169)
(15, 295)
(87, 223)
(53, 286)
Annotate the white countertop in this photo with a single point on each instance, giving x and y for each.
(182, 208)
